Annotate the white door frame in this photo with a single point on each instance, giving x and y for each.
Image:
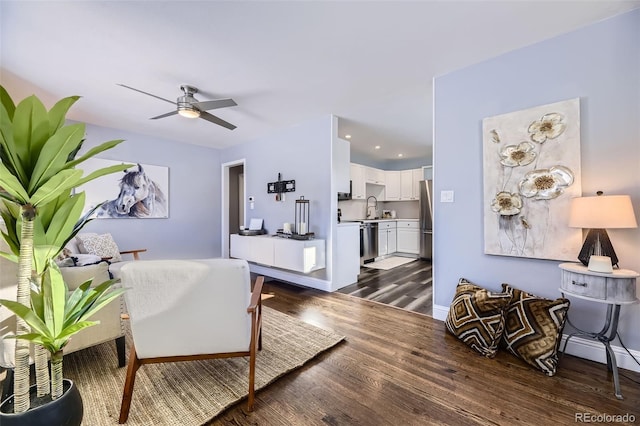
(224, 203)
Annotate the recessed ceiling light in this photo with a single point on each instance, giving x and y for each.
(377, 147)
(347, 136)
(399, 155)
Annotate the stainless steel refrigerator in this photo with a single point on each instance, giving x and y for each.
(426, 219)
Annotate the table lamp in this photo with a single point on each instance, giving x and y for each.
(597, 214)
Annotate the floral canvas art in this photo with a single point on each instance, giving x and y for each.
(531, 162)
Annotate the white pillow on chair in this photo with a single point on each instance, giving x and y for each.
(99, 245)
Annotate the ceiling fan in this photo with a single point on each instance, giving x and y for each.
(190, 107)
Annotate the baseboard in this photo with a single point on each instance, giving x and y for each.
(594, 351)
(578, 346)
(290, 277)
(440, 312)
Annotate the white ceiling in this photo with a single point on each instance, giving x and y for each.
(370, 63)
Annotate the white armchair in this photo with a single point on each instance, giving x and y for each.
(182, 310)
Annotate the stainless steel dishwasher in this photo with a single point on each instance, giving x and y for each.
(368, 242)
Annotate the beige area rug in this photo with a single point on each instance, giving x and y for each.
(389, 262)
(194, 392)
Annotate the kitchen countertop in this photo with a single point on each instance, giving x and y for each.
(375, 220)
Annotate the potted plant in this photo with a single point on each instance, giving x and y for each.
(38, 156)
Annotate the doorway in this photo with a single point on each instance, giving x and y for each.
(233, 208)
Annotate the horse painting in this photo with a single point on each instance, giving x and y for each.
(139, 197)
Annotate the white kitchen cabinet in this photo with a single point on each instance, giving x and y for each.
(410, 188)
(358, 185)
(392, 185)
(373, 175)
(418, 175)
(406, 185)
(382, 242)
(386, 238)
(408, 236)
(296, 255)
(392, 241)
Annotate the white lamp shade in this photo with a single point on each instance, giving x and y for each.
(600, 212)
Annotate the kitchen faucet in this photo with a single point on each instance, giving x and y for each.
(375, 207)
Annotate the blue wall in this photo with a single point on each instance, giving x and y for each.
(600, 64)
(301, 153)
(193, 227)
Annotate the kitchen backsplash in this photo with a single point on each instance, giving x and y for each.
(357, 209)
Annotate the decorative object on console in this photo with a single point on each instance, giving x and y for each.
(533, 328)
(301, 223)
(531, 164)
(476, 317)
(142, 192)
(596, 214)
(600, 264)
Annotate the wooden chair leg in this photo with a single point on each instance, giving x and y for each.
(120, 348)
(252, 375)
(134, 364)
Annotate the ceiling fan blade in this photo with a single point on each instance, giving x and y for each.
(164, 115)
(218, 103)
(219, 121)
(137, 90)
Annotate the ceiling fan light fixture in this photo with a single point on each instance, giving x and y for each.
(189, 112)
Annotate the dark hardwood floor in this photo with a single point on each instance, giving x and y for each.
(401, 368)
(407, 286)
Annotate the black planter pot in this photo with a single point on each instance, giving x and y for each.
(64, 411)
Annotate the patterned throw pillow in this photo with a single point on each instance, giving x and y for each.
(99, 245)
(476, 317)
(533, 328)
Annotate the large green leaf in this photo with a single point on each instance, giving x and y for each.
(72, 154)
(54, 154)
(12, 257)
(7, 102)
(8, 156)
(37, 303)
(59, 111)
(47, 211)
(102, 301)
(12, 185)
(30, 130)
(41, 250)
(76, 296)
(65, 219)
(102, 172)
(37, 338)
(62, 181)
(36, 324)
(89, 296)
(63, 338)
(8, 153)
(95, 151)
(9, 212)
(54, 291)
